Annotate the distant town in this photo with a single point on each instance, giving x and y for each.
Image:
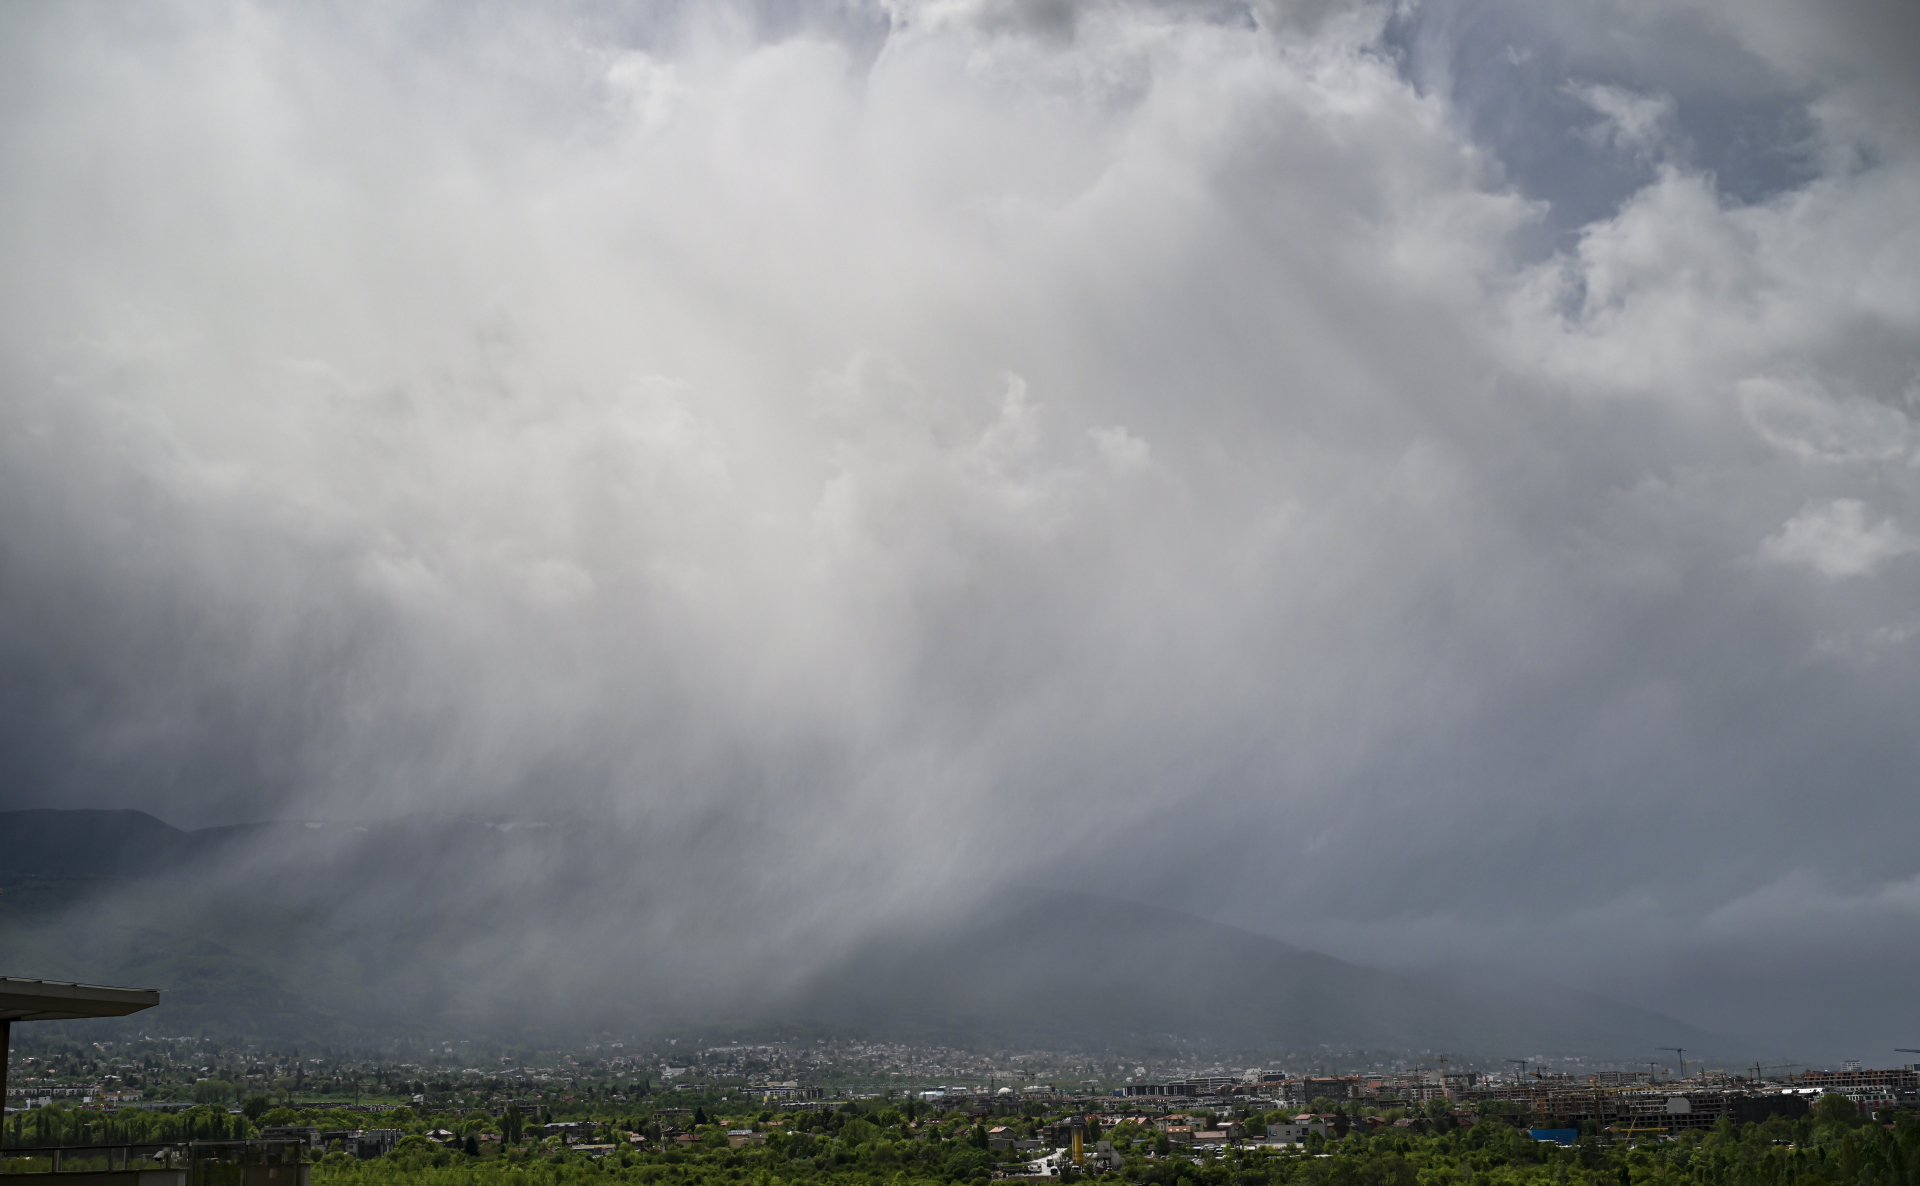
(180, 1073)
(190, 1111)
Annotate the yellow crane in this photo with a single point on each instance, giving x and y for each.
(1445, 1091)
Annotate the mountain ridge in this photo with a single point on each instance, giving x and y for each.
(361, 929)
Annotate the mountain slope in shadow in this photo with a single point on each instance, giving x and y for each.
(1046, 967)
(437, 923)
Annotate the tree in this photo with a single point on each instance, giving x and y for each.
(512, 1124)
(212, 1091)
(472, 1146)
(699, 1116)
(256, 1107)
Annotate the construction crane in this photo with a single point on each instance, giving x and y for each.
(1523, 1065)
(1681, 1051)
(1445, 1091)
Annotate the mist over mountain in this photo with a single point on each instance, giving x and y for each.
(367, 931)
(1436, 483)
(1049, 968)
(362, 929)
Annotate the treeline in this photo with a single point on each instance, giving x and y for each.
(864, 1145)
(879, 1149)
(58, 1125)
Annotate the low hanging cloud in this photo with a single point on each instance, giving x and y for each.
(1101, 442)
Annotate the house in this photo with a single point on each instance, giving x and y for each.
(1294, 1132)
(370, 1143)
(1104, 1159)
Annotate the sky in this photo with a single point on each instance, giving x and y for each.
(1435, 482)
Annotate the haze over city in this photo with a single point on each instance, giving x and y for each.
(1433, 483)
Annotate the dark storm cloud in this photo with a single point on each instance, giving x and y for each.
(1436, 484)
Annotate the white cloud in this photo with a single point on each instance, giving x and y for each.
(1835, 541)
(1636, 123)
(1814, 426)
(1076, 420)
(1122, 449)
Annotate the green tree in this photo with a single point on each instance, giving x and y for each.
(212, 1091)
(256, 1107)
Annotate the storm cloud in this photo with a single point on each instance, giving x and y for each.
(1437, 483)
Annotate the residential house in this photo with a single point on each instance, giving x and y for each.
(1293, 1132)
(370, 1143)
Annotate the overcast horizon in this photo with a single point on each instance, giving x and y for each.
(1434, 482)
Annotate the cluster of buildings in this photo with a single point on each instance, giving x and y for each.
(364, 1143)
(1620, 1101)
(1060, 1149)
